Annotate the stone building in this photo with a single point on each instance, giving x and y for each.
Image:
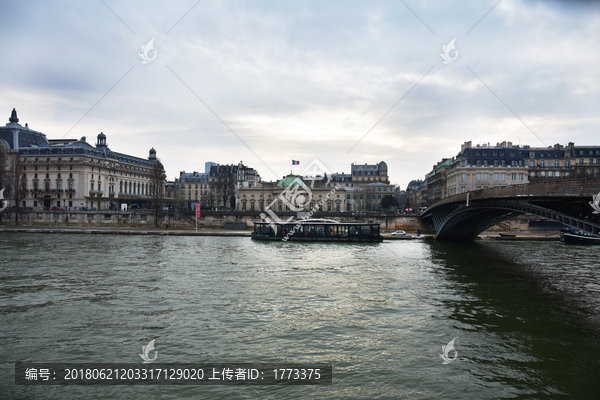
(374, 184)
(194, 188)
(76, 175)
(486, 166)
(267, 194)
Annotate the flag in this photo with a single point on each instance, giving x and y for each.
(294, 162)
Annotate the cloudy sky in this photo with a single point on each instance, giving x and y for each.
(265, 82)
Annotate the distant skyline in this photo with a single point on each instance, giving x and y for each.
(265, 82)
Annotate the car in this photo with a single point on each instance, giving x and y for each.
(399, 233)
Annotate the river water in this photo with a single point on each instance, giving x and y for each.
(525, 315)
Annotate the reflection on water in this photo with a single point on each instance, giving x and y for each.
(525, 315)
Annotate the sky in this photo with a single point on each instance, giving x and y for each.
(267, 82)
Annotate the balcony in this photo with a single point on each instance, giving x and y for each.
(96, 193)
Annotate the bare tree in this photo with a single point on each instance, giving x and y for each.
(157, 189)
(3, 176)
(17, 183)
(225, 187)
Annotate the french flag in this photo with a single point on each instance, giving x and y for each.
(294, 162)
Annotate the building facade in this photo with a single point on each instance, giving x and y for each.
(73, 174)
(485, 166)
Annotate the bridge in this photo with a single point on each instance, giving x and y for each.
(466, 215)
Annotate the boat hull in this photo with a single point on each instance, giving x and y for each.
(570, 238)
(317, 239)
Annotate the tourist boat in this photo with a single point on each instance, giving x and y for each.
(507, 234)
(322, 230)
(578, 237)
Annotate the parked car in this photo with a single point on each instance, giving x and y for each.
(399, 233)
(56, 209)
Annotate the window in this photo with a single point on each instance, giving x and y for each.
(463, 177)
(479, 176)
(521, 177)
(567, 163)
(496, 176)
(485, 176)
(503, 176)
(543, 174)
(550, 174)
(557, 163)
(59, 185)
(532, 174)
(514, 177)
(478, 163)
(531, 163)
(557, 174)
(70, 185)
(542, 163)
(463, 189)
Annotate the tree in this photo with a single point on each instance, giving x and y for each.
(225, 187)
(388, 201)
(17, 183)
(3, 176)
(157, 189)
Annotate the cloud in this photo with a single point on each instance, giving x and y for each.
(303, 80)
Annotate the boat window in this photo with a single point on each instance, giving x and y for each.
(365, 230)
